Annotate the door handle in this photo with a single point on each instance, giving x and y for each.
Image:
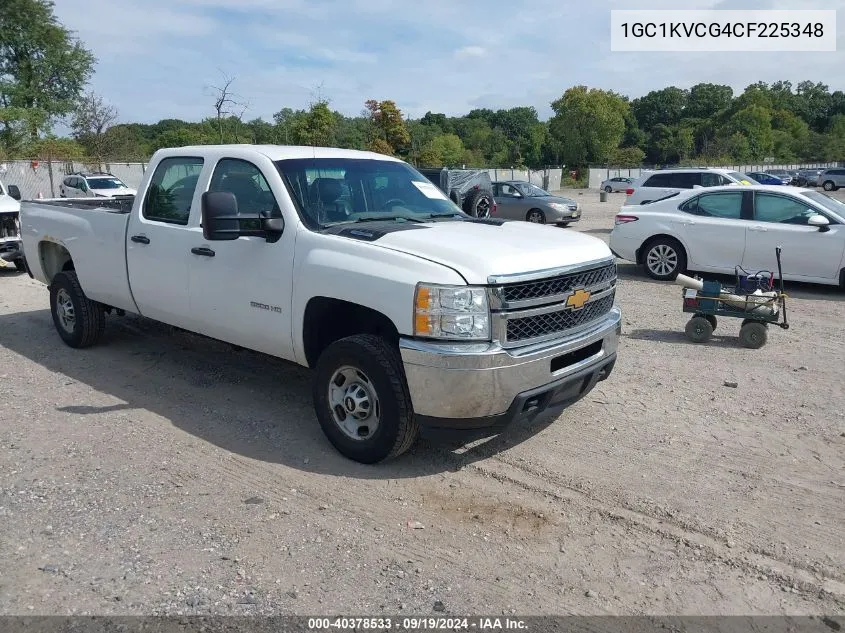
(140, 239)
(202, 250)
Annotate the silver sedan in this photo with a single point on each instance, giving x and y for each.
(520, 200)
(617, 183)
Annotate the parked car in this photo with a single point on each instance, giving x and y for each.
(765, 178)
(617, 183)
(11, 252)
(470, 189)
(831, 179)
(95, 185)
(410, 312)
(659, 184)
(808, 177)
(716, 229)
(520, 200)
(784, 174)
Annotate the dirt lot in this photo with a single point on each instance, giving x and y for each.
(162, 473)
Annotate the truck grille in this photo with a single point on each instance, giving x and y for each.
(558, 285)
(541, 325)
(542, 309)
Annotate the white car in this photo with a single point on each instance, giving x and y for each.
(410, 312)
(655, 185)
(94, 186)
(714, 230)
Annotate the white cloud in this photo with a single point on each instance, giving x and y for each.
(470, 51)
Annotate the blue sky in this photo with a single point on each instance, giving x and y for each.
(159, 58)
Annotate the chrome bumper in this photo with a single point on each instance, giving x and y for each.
(474, 384)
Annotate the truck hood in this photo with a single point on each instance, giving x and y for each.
(8, 204)
(108, 193)
(478, 250)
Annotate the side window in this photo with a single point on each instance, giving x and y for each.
(659, 180)
(250, 187)
(509, 191)
(171, 190)
(773, 208)
(685, 180)
(717, 205)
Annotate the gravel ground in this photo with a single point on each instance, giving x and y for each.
(163, 473)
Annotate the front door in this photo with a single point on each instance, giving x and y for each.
(159, 242)
(510, 204)
(241, 290)
(807, 252)
(714, 230)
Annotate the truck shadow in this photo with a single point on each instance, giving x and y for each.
(243, 402)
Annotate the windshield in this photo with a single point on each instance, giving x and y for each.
(743, 179)
(828, 202)
(332, 191)
(104, 183)
(533, 191)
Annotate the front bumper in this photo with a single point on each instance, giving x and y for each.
(473, 386)
(11, 250)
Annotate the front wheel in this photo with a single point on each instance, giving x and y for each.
(362, 400)
(479, 204)
(753, 334)
(78, 320)
(699, 329)
(664, 258)
(609, 189)
(20, 265)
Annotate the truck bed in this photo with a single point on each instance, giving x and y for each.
(93, 232)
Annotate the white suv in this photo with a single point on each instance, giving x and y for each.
(94, 186)
(655, 185)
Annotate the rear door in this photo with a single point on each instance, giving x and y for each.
(781, 220)
(158, 250)
(714, 230)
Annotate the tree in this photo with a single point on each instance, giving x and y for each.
(664, 106)
(43, 67)
(388, 127)
(317, 127)
(91, 122)
(755, 125)
(627, 157)
(588, 125)
(446, 150)
(706, 100)
(227, 104)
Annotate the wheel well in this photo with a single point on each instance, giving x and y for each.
(55, 258)
(328, 320)
(527, 213)
(642, 249)
(842, 279)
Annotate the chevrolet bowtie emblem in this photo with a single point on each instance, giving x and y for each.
(577, 299)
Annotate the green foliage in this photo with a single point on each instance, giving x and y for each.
(43, 68)
(627, 157)
(445, 150)
(755, 124)
(588, 124)
(388, 127)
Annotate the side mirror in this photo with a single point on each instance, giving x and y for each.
(14, 192)
(819, 221)
(221, 220)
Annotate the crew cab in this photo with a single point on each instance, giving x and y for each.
(410, 312)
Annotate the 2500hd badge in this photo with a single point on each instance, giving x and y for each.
(264, 306)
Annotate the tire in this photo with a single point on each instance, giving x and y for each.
(609, 189)
(712, 319)
(455, 197)
(79, 321)
(698, 329)
(377, 378)
(479, 204)
(20, 265)
(664, 258)
(829, 186)
(753, 334)
(535, 216)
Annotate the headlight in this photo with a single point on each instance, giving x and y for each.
(564, 207)
(451, 312)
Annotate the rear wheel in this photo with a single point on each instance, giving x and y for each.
(753, 334)
(829, 186)
(536, 216)
(712, 319)
(664, 258)
(479, 204)
(78, 320)
(609, 189)
(699, 329)
(20, 265)
(362, 400)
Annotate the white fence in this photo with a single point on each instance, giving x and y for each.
(42, 178)
(600, 174)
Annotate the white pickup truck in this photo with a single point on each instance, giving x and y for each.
(411, 313)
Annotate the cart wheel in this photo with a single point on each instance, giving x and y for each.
(712, 319)
(699, 329)
(753, 334)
